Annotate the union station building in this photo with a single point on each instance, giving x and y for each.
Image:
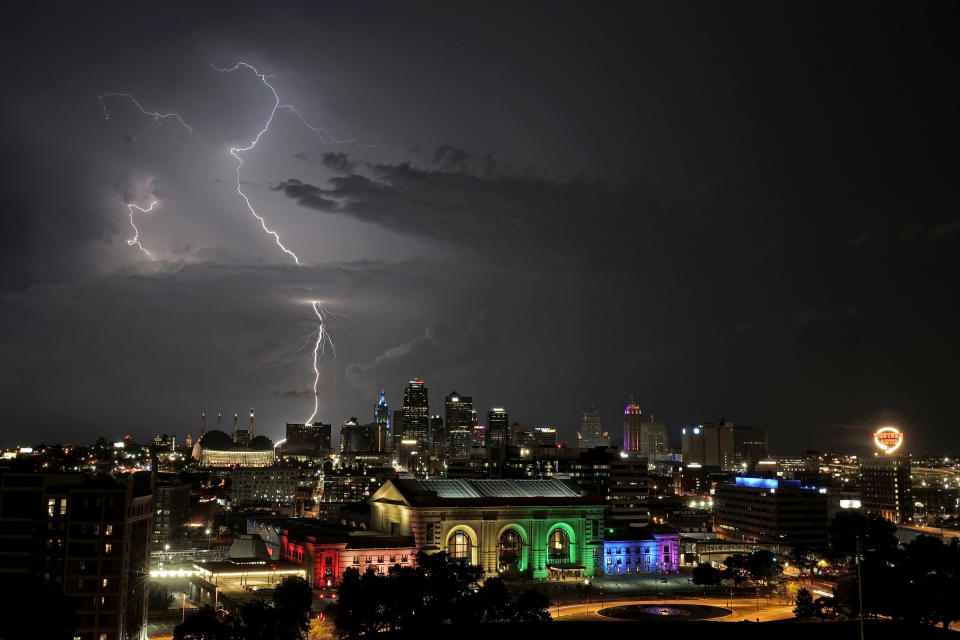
(529, 528)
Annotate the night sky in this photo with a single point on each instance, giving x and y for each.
(739, 209)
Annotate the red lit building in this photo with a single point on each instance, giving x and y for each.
(327, 551)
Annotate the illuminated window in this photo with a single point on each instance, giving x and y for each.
(51, 504)
(107, 548)
(106, 581)
(356, 559)
(510, 547)
(109, 531)
(63, 506)
(558, 546)
(459, 546)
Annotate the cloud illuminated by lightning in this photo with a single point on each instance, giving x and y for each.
(133, 208)
(324, 339)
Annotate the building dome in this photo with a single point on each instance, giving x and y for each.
(261, 443)
(216, 440)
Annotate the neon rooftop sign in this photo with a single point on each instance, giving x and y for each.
(888, 439)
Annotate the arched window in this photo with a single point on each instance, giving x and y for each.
(510, 547)
(558, 546)
(459, 546)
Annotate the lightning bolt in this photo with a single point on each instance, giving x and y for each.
(133, 208)
(323, 339)
(236, 151)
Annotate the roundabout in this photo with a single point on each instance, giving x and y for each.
(649, 611)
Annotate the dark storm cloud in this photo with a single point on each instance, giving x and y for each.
(338, 161)
(478, 203)
(741, 182)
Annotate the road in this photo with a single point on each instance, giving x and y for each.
(742, 609)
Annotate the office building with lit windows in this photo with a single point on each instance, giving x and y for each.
(415, 415)
(641, 550)
(524, 528)
(86, 536)
(771, 510)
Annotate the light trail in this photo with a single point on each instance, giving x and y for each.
(135, 240)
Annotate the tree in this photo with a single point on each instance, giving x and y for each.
(204, 625)
(707, 575)
(875, 534)
(533, 606)
(804, 605)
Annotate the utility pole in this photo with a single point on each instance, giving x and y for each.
(860, 587)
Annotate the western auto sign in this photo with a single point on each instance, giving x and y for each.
(888, 439)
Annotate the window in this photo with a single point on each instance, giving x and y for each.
(51, 503)
(380, 559)
(80, 583)
(109, 531)
(96, 530)
(510, 547)
(459, 546)
(369, 559)
(393, 559)
(429, 532)
(63, 506)
(328, 561)
(558, 546)
(403, 558)
(107, 548)
(105, 583)
(356, 559)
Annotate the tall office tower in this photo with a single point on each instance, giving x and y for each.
(498, 427)
(521, 435)
(691, 445)
(362, 438)
(87, 536)
(438, 436)
(653, 438)
(632, 420)
(749, 446)
(416, 413)
(709, 445)
(381, 416)
(886, 489)
(545, 436)
(459, 413)
(718, 445)
(885, 486)
(591, 434)
(310, 438)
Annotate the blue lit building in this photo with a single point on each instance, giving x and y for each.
(641, 550)
(771, 510)
(381, 416)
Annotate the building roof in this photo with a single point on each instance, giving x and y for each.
(468, 492)
(380, 542)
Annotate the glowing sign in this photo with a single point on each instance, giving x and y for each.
(888, 439)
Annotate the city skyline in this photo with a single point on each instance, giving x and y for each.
(727, 214)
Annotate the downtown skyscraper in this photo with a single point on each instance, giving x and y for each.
(591, 433)
(415, 415)
(459, 418)
(381, 416)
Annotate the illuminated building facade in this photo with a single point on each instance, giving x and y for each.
(415, 415)
(885, 485)
(381, 416)
(87, 536)
(264, 485)
(530, 528)
(172, 508)
(771, 510)
(651, 552)
(459, 419)
(886, 489)
(632, 422)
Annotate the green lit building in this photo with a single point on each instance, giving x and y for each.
(531, 528)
